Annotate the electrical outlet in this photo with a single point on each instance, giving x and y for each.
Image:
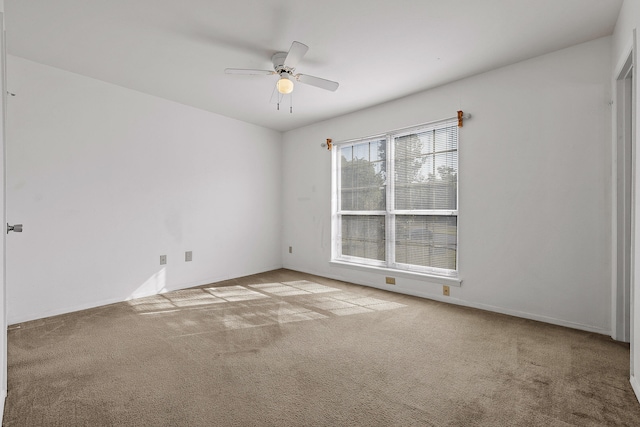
(445, 290)
(188, 256)
(391, 280)
(290, 249)
(163, 259)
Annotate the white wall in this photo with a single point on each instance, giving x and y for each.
(628, 20)
(535, 188)
(106, 179)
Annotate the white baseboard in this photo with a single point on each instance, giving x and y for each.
(636, 386)
(456, 301)
(12, 320)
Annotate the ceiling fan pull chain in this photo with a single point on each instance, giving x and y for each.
(291, 104)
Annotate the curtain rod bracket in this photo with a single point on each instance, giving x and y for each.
(328, 144)
(462, 116)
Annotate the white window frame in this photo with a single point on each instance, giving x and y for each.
(389, 265)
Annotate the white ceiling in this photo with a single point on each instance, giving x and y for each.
(378, 50)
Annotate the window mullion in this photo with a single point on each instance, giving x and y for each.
(337, 205)
(390, 217)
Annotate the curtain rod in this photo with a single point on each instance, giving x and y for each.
(459, 117)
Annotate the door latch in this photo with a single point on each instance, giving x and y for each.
(15, 228)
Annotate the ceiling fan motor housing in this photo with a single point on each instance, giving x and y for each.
(278, 63)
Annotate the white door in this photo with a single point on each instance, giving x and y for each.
(625, 194)
(635, 290)
(3, 292)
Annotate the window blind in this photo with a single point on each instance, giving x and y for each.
(397, 199)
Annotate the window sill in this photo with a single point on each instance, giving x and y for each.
(443, 280)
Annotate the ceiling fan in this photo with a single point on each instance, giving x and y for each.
(284, 65)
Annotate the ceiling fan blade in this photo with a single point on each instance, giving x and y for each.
(296, 52)
(248, 72)
(317, 82)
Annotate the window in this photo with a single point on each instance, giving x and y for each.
(396, 200)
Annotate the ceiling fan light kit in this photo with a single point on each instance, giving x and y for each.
(284, 85)
(284, 65)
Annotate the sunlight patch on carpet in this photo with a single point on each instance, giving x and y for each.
(279, 289)
(259, 305)
(235, 293)
(347, 311)
(312, 287)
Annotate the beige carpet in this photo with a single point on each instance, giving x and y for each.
(290, 349)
